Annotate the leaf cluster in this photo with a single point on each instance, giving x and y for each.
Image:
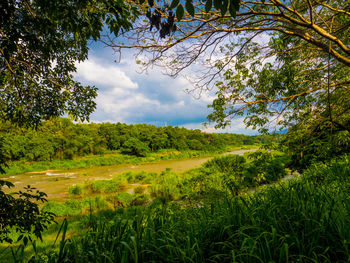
(22, 214)
(39, 45)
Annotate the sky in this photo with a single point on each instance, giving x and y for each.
(128, 96)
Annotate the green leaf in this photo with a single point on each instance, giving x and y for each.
(208, 5)
(179, 12)
(142, 1)
(25, 241)
(174, 4)
(217, 4)
(190, 7)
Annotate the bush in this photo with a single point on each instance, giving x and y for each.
(140, 176)
(227, 164)
(264, 168)
(125, 199)
(104, 186)
(20, 212)
(139, 200)
(139, 189)
(134, 146)
(75, 190)
(70, 207)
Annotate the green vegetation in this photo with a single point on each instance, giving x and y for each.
(233, 208)
(221, 176)
(61, 144)
(20, 213)
(304, 219)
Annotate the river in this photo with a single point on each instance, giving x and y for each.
(55, 183)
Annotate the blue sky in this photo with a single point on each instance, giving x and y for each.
(127, 96)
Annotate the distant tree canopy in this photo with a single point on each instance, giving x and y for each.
(60, 138)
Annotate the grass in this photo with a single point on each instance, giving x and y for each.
(304, 220)
(18, 167)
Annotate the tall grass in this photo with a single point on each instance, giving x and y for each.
(303, 220)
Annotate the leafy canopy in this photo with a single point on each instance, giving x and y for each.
(273, 62)
(39, 45)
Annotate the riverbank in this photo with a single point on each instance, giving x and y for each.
(108, 159)
(304, 219)
(55, 182)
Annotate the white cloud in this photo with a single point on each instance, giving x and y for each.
(153, 98)
(112, 76)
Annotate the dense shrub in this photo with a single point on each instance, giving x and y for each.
(70, 207)
(264, 168)
(75, 190)
(134, 146)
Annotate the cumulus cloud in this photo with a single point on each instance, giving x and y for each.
(153, 98)
(109, 75)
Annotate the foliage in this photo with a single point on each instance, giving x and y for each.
(40, 44)
(22, 214)
(302, 220)
(232, 167)
(70, 207)
(227, 164)
(168, 26)
(64, 140)
(75, 190)
(139, 189)
(134, 146)
(264, 168)
(306, 146)
(103, 186)
(3, 164)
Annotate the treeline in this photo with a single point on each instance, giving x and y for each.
(62, 139)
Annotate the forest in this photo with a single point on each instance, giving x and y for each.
(62, 139)
(139, 193)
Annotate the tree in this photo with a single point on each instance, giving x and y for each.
(134, 146)
(39, 45)
(40, 41)
(286, 61)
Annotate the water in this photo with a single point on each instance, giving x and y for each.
(55, 183)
